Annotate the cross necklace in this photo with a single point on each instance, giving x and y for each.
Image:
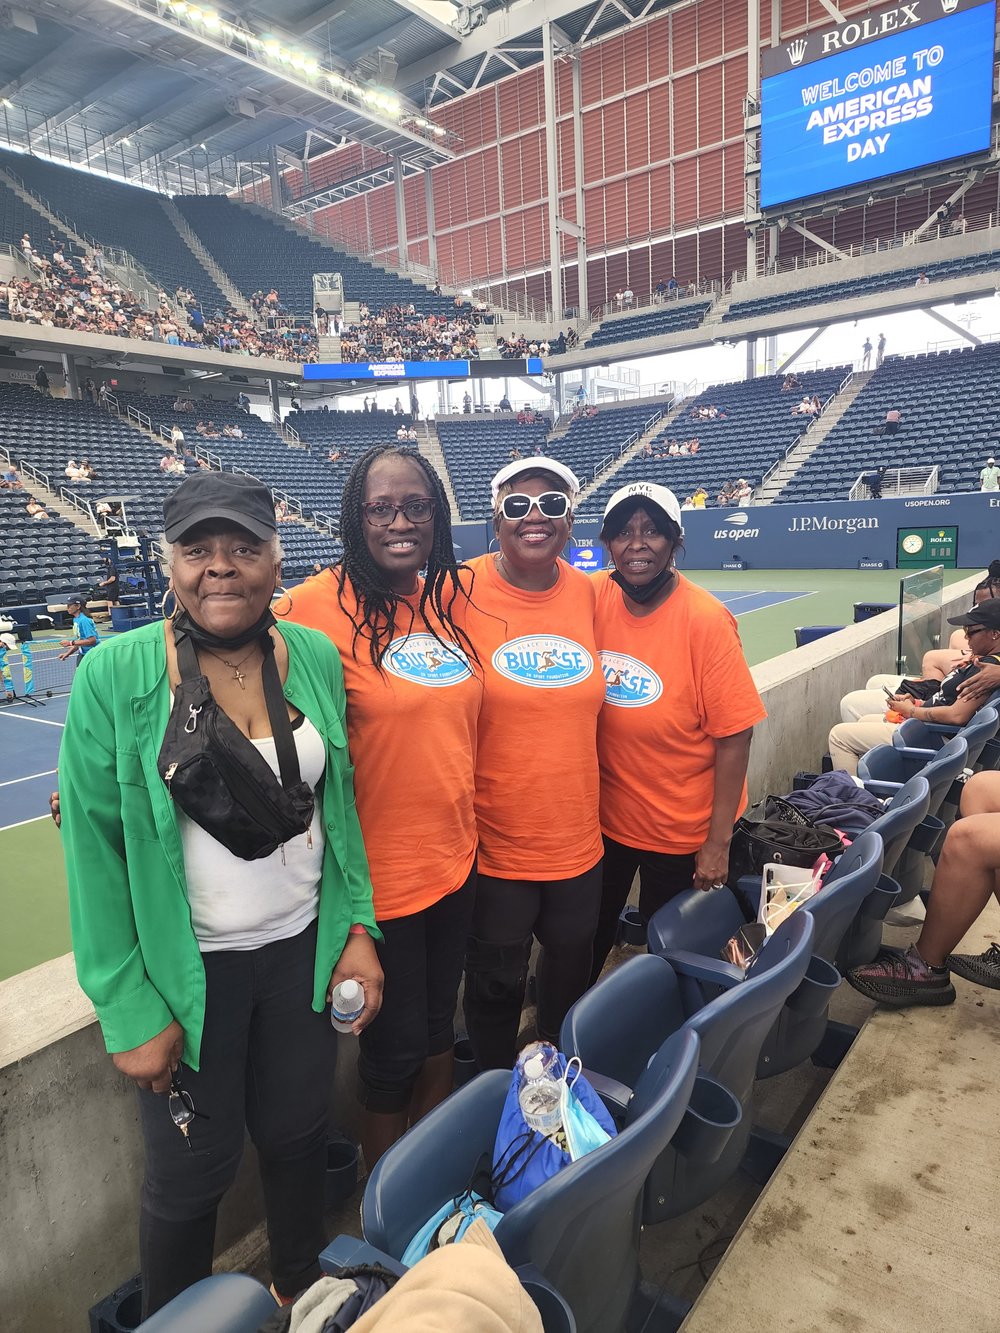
(238, 675)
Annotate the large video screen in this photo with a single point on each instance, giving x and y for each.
(891, 92)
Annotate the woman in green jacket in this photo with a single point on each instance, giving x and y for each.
(209, 970)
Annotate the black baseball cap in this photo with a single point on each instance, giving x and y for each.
(986, 615)
(76, 600)
(211, 495)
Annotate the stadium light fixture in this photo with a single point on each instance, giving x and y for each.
(270, 54)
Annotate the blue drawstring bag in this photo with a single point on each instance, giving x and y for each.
(523, 1159)
(449, 1224)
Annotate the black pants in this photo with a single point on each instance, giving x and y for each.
(421, 956)
(267, 1063)
(661, 877)
(562, 915)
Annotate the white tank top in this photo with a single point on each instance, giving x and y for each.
(238, 904)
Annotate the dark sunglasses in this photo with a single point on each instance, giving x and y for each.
(180, 1107)
(551, 504)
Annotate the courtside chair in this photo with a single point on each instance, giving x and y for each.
(622, 1021)
(580, 1229)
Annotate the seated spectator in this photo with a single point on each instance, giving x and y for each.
(401, 433)
(694, 446)
(791, 381)
(10, 479)
(647, 449)
(504, 404)
(334, 456)
(673, 449)
(725, 496)
(684, 448)
(232, 432)
(281, 511)
(848, 741)
(966, 877)
(411, 435)
(35, 510)
(88, 470)
(922, 279)
(74, 471)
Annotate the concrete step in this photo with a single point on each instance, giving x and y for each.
(430, 446)
(204, 257)
(657, 429)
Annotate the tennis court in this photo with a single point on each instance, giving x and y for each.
(768, 604)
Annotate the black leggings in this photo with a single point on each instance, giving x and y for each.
(661, 877)
(562, 915)
(267, 1062)
(421, 956)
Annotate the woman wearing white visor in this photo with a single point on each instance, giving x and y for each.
(531, 620)
(680, 708)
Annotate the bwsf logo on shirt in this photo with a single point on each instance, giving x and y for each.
(420, 658)
(543, 660)
(629, 683)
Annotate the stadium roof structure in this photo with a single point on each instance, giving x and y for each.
(160, 92)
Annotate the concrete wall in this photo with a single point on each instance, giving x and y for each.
(70, 1156)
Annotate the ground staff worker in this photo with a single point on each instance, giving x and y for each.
(413, 696)
(209, 972)
(680, 708)
(532, 622)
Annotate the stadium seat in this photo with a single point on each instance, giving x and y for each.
(624, 1019)
(929, 737)
(224, 1303)
(580, 1229)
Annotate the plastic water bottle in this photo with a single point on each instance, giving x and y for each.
(539, 1097)
(346, 1004)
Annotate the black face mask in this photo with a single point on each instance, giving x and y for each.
(647, 591)
(184, 623)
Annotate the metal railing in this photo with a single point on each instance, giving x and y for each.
(896, 481)
(708, 287)
(610, 459)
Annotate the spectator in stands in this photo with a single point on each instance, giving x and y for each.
(176, 437)
(539, 873)
(848, 741)
(967, 875)
(210, 971)
(922, 279)
(673, 772)
(866, 354)
(880, 351)
(233, 432)
(334, 456)
(893, 421)
(42, 381)
(401, 433)
(699, 497)
(103, 393)
(619, 297)
(74, 471)
(725, 496)
(412, 707)
(467, 402)
(660, 290)
(791, 381)
(85, 635)
(628, 298)
(280, 511)
(515, 454)
(397, 408)
(10, 479)
(504, 404)
(26, 249)
(803, 408)
(743, 492)
(989, 477)
(35, 510)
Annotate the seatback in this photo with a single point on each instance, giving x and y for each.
(904, 812)
(888, 763)
(978, 732)
(581, 1228)
(846, 886)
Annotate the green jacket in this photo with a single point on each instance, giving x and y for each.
(137, 957)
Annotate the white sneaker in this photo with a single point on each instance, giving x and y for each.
(907, 914)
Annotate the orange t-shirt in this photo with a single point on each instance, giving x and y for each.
(537, 784)
(412, 733)
(676, 681)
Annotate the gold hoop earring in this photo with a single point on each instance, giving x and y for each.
(280, 594)
(163, 604)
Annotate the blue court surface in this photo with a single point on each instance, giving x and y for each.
(29, 744)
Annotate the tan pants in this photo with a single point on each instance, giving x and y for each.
(862, 703)
(850, 740)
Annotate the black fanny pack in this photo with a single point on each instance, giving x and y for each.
(217, 776)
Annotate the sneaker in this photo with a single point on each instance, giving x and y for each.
(907, 914)
(981, 968)
(899, 978)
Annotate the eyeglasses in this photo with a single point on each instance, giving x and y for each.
(180, 1107)
(382, 515)
(977, 629)
(551, 504)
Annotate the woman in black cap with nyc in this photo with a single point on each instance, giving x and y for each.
(218, 884)
(673, 738)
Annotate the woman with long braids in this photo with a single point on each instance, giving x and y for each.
(413, 692)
